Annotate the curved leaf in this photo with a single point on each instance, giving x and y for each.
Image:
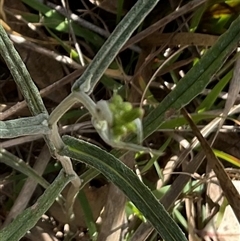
(128, 182)
(114, 43)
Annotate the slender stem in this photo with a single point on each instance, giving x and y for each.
(56, 139)
(61, 109)
(65, 161)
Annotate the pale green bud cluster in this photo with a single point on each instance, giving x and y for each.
(124, 117)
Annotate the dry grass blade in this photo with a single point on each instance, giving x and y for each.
(233, 92)
(226, 184)
(162, 22)
(184, 38)
(113, 216)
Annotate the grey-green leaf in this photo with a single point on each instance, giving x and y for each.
(128, 182)
(26, 220)
(114, 43)
(20, 74)
(196, 79)
(24, 126)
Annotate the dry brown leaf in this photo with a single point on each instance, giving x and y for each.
(198, 39)
(114, 210)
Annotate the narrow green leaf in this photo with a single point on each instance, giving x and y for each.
(56, 21)
(88, 215)
(181, 121)
(227, 157)
(197, 16)
(213, 95)
(128, 182)
(26, 220)
(196, 79)
(20, 74)
(114, 43)
(24, 126)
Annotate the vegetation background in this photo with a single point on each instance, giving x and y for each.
(194, 177)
